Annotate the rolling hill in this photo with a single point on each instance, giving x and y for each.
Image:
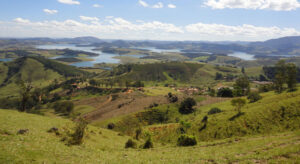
(37, 70)
(245, 145)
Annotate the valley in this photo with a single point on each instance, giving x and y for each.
(74, 104)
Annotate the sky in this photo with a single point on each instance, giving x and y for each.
(203, 20)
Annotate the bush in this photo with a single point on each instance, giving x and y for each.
(138, 132)
(130, 144)
(225, 92)
(253, 97)
(64, 107)
(172, 98)
(148, 144)
(77, 136)
(186, 140)
(111, 126)
(214, 111)
(186, 106)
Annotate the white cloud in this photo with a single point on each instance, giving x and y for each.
(155, 6)
(143, 3)
(243, 32)
(69, 2)
(21, 20)
(172, 6)
(85, 18)
(277, 5)
(97, 6)
(48, 11)
(158, 5)
(119, 28)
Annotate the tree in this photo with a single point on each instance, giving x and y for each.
(262, 78)
(93, 82)
(253, 97)
(25, 94)
(280, 76)
(186, 106)
(243, 70)
(291, 73)
(238, 104)
(212, 92)
(77, 136)
(242, 85)
(225, 92)
(219, 76)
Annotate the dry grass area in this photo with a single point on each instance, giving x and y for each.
(122, 103)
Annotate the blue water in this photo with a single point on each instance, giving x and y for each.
(154, 49)
(243, 55)
(6, 59)
(102, 58)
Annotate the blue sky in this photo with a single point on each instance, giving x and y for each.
(213, 20)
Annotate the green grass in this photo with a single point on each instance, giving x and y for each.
(30, 71)
(157, 91)
(104, 146)
(274, 113)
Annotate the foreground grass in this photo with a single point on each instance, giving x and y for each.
(103, 146)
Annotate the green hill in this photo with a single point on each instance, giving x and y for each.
(104, 146)
(37, 70)
(172, 72)
(274, 113)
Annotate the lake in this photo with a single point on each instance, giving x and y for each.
(102, 58)
(6, 59)
(154, 49)
(243, 55)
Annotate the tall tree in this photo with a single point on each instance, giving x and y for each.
(291, 73)
(238, 104)
(280, 76)
(25, 94)
(243, 70)
(241, 86)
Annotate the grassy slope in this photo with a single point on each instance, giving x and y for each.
(38, 146)
(30, 70)
(274, 113)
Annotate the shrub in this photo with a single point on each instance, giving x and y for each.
(253, 97)
(186, 106)
(111, 126)
(64, 107)
(172, 98)
(186, 140)
(77, 136)
(138, 132)
(266, 88)
(153, 105)
(114, 97)
(184, 126)
(214, 111)
(130, 144)
(148, 144)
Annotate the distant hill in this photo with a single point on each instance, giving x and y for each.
(290, 41)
